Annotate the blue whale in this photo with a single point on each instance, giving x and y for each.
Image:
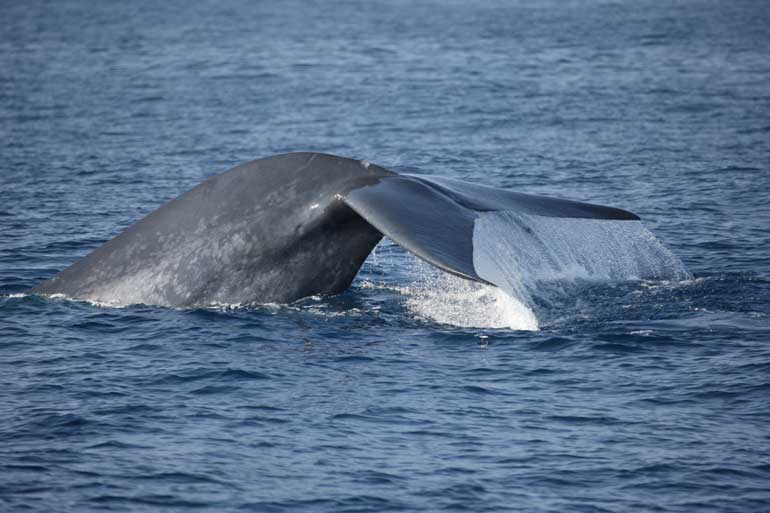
(290, 226)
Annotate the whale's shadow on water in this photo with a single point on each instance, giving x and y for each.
(295, 226)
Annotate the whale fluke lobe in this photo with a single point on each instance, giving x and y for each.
(290, 226)
(421, 220)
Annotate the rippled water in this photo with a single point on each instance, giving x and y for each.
(410, 391)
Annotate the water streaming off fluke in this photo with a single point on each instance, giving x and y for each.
(527, 255)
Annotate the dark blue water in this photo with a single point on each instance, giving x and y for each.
(631, 396)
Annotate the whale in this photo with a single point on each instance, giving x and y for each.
(285, 227)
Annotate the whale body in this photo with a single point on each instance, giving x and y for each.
(281, 228)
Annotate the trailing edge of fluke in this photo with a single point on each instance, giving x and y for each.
(290, 226)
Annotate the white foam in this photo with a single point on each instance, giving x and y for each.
(447, 299)
(435, 296)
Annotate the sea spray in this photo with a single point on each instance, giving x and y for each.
(537, 262)
(458, 302)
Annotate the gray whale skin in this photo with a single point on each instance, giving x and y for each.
(281, 228)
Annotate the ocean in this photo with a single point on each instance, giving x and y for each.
(582, 387)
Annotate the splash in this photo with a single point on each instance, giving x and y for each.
(458, 302)
(538, 263)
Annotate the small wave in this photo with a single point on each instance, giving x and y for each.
(92, 302)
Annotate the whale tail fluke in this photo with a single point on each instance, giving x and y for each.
(294, 225)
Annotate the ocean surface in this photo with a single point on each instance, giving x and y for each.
(582, 388)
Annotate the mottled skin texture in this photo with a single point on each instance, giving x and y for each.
(271, 230)
(290, 226)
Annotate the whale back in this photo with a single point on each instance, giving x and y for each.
(271, 230)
